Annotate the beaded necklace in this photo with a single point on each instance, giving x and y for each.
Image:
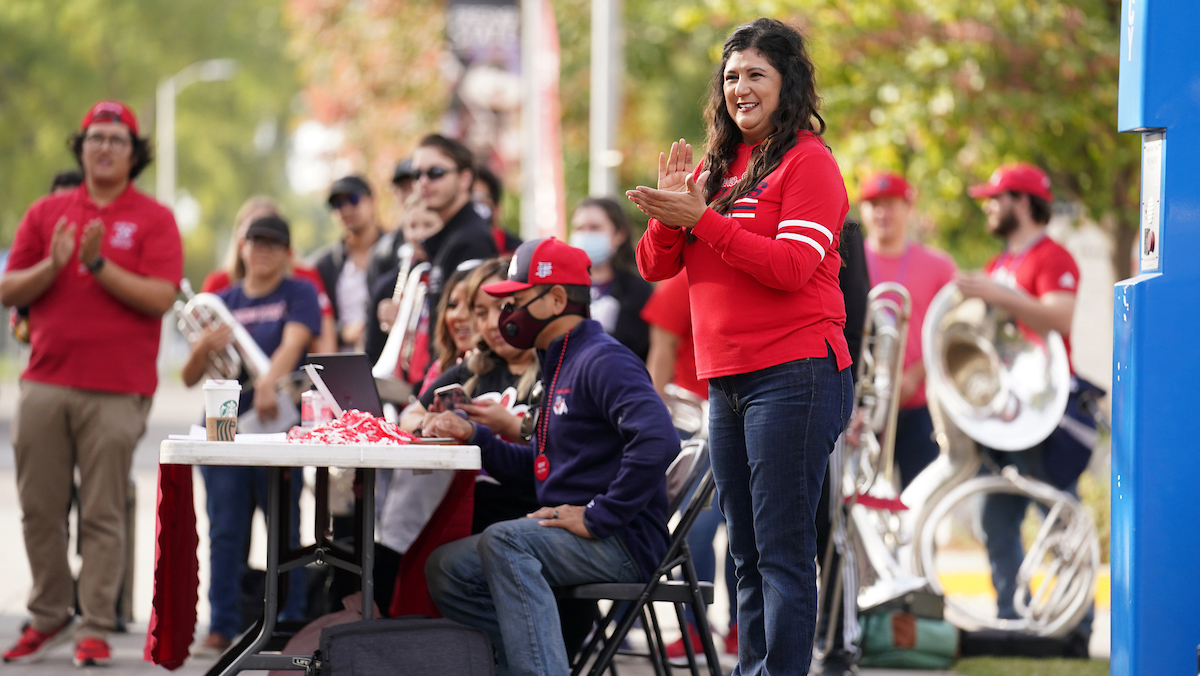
(541, 465)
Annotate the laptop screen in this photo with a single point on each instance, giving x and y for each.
(348, 377)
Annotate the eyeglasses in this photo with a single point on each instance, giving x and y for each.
(432, 173)
(511, 306)
(100, 140)
(338, 201)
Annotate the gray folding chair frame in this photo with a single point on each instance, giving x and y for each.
(638, 597)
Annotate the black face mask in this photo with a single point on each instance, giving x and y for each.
(519, 328)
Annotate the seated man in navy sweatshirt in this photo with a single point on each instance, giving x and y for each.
(597, 462)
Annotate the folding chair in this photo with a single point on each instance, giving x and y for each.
(633, 600)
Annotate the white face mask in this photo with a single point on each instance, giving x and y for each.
(597, 245)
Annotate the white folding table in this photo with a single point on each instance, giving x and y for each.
(247, 653)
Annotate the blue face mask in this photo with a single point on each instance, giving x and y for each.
(597, 245)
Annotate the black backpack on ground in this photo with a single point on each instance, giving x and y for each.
(406, 646)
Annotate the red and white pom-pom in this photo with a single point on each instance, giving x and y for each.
(354, 427)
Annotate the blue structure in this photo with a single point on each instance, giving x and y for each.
(1156, 358)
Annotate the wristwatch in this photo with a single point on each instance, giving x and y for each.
(96, 264)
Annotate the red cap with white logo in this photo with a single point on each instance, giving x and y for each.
(111, 111)
(544, 261)
(1016, 177)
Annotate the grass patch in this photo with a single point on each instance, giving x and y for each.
(1027, 666)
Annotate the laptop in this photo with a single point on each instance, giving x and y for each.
(348, 377)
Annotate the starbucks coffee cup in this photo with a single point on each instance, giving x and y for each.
(221, 409)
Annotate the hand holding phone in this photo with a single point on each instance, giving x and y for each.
(451, 397)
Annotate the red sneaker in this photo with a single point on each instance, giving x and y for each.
(33, 644)
(677, 652)
(731, 643)
(92, 652)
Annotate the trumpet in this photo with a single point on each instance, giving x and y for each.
(409, 295)
(202, 311)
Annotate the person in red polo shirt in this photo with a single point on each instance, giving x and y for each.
(1035, 279)
(886, 203)
(97, 266)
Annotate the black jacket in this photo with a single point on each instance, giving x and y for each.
(381, 283)
(856, 284)
(466, 236)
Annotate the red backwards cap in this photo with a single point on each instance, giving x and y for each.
(1016, 177)
(111, 111)
(886, 185)
(543, 261)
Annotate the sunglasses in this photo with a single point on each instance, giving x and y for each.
(433, 173)
(530, 421)
(338, 201)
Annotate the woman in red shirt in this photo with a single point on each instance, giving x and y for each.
(756, 226)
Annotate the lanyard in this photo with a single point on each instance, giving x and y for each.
(1005, 271)
(901, 272)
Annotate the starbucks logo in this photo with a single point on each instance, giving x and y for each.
(229, 409)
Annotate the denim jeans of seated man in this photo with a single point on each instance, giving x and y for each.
(502, 581)
(232, 494)
(1000, 521)
(771, 432)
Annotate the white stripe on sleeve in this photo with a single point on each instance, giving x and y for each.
(801, 238)
(808, 224)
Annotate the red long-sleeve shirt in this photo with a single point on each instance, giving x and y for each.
(763, 279)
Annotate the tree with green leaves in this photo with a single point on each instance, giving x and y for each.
(57, 57)
(940, 90)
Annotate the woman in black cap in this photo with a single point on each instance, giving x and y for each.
(281, 314)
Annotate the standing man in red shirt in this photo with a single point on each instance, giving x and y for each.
(97, 266)
(1035, 279)
(886, 207)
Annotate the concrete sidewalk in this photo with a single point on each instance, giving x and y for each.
(127, 659)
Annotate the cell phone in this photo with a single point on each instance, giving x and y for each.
(452, 396)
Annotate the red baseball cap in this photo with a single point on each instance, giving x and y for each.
(886, 184)
(1015, 177)
(543, 261)
(111, 111)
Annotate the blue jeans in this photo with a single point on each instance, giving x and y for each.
(1001, 519)
(772, 431)
(501, 581)
(915, 446)
(232, 494)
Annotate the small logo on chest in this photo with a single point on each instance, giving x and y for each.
(560, 405)
(122, 235)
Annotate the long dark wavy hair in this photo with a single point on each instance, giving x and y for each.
(783, 47)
